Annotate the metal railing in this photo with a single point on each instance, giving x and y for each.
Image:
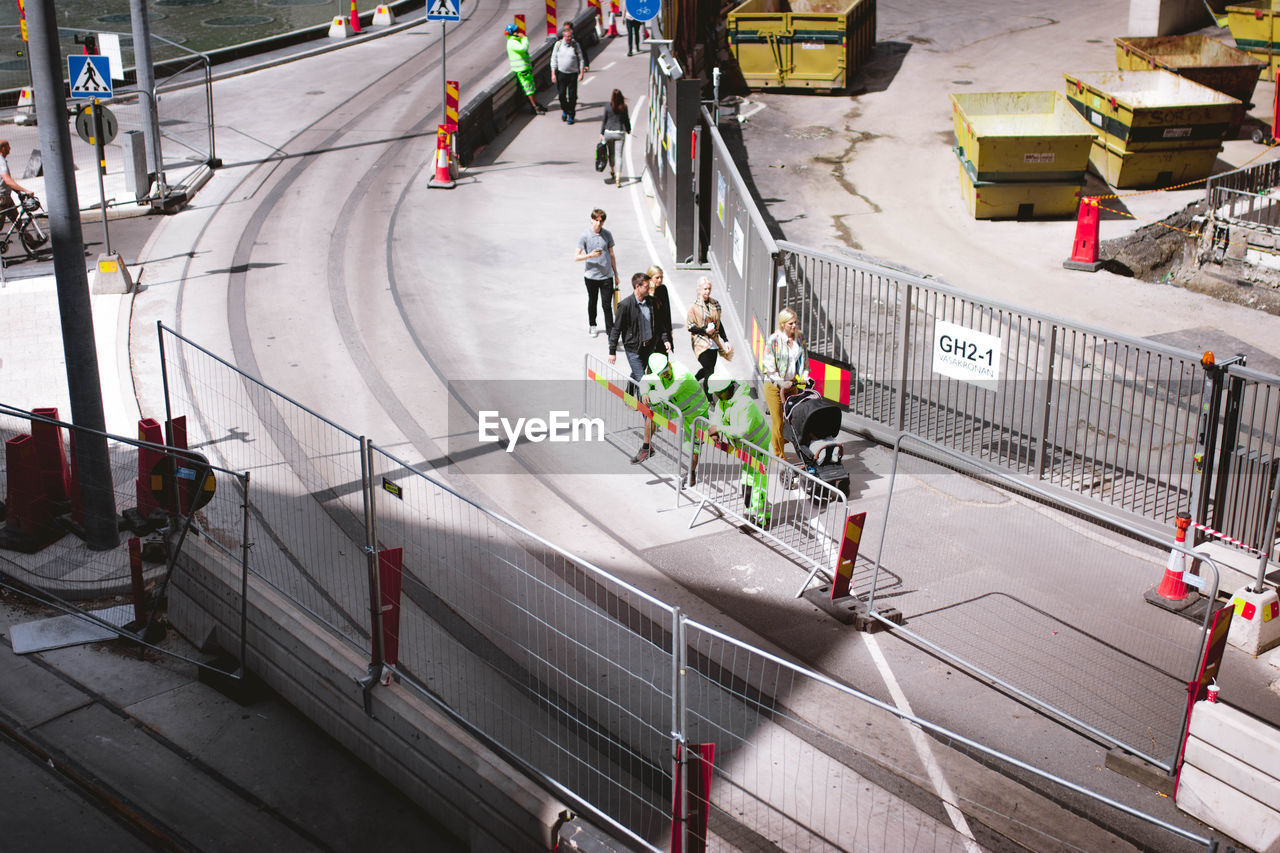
(992, 602)
(1100, 414)
(586, 683)
(1257, 210)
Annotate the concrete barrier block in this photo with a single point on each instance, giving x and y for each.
(1219, 805)
(1245, 778)
(1255, 625)
(1238, 735)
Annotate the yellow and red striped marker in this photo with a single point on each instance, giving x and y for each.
(520, 25)
(831, 380)
(848, 555)
(451, 105)
(552, 28)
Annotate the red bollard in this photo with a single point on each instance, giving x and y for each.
(135, 580)
(355, 18)
(51, 458)
(848, 555)
(1084, 252)
(148, 458)
(28, 511)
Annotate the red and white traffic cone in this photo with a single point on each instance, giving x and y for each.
(613, 20)
(1084, 251)
(443, 179)
(1172, 592)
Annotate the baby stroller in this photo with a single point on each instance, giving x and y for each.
(811, 423)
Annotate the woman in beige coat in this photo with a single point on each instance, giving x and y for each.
(705, 331)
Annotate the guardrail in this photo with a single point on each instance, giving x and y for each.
(1251, 209)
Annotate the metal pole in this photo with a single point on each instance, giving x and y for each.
(145, 70)
(244, 577)
(376, 658)
(92, 459)
(1269, 532)
(100, 166)
(444, 77)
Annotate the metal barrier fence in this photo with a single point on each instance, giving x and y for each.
(556, 663)
(184, 90)
(740, 250)
(1245, 207)
(588, 684)
(803, 516)
(1103, 415)
(165, 495)
(308, 477)
(784, 774)
(993, 602)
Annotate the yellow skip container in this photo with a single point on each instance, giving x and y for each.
(1016, 199)
(1207, 61)
(807, 44)
(1021, 136)
(1256, 28)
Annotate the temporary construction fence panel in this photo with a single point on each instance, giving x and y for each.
(740, 250)
(1101, 414)
(611, 396)
(559, 665)
(992, 601)
(805, 515)
(308, 521)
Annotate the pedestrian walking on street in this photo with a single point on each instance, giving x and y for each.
(568, 67)
(670, 385)
(635, 33)
(595, 247)
(615, 127)
(522, 65)
(737, 417)
(785, 368)
(661, 304)
(636, 330)
(705, 333)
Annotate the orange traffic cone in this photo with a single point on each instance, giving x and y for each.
(355, 18)
(443, 179)
(1084, 252)
(1172, 592)
(613, 20)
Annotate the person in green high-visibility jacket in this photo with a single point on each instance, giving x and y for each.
(522, 65)
(737, 417)
(672, 384)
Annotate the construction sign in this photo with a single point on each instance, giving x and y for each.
(848, 555)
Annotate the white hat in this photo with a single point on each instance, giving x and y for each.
(718, 382)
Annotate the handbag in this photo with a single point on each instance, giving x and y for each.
(602, 156)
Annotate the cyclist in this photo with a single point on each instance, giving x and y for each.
(8, 186)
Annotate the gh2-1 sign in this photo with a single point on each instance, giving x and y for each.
(966, 355)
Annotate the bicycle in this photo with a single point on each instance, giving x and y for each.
(29, 232)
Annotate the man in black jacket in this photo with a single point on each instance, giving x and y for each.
(637, 326)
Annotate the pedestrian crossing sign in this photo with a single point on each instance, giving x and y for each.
(443, 10)
(90, 76)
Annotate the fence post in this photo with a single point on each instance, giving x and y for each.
(244, 569)
(164, 371)
(376, 657)
(1042, 457)
(904, 338)
(680, 796)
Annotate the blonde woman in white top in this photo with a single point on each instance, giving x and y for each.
(785, 367)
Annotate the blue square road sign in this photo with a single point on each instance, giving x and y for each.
(90, 76)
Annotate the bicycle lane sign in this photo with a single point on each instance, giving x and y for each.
(90, 76)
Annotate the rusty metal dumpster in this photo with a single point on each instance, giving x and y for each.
(807, 44)
(1205, 60)
(1155, 128)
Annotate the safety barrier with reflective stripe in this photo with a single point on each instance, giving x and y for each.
(798, 513)
(607, 386)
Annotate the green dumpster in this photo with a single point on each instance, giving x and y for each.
(1200, 58)
(805, 44)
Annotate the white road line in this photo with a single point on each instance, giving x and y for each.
(636, 196)
(923, 748)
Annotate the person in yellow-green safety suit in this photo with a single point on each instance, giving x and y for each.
(670, 383)
(737, 417)
(522, 65)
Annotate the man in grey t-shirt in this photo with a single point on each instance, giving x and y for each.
(595, 247)
(568, 67)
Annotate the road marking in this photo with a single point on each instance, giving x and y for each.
(635, 196)
(923, 748)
